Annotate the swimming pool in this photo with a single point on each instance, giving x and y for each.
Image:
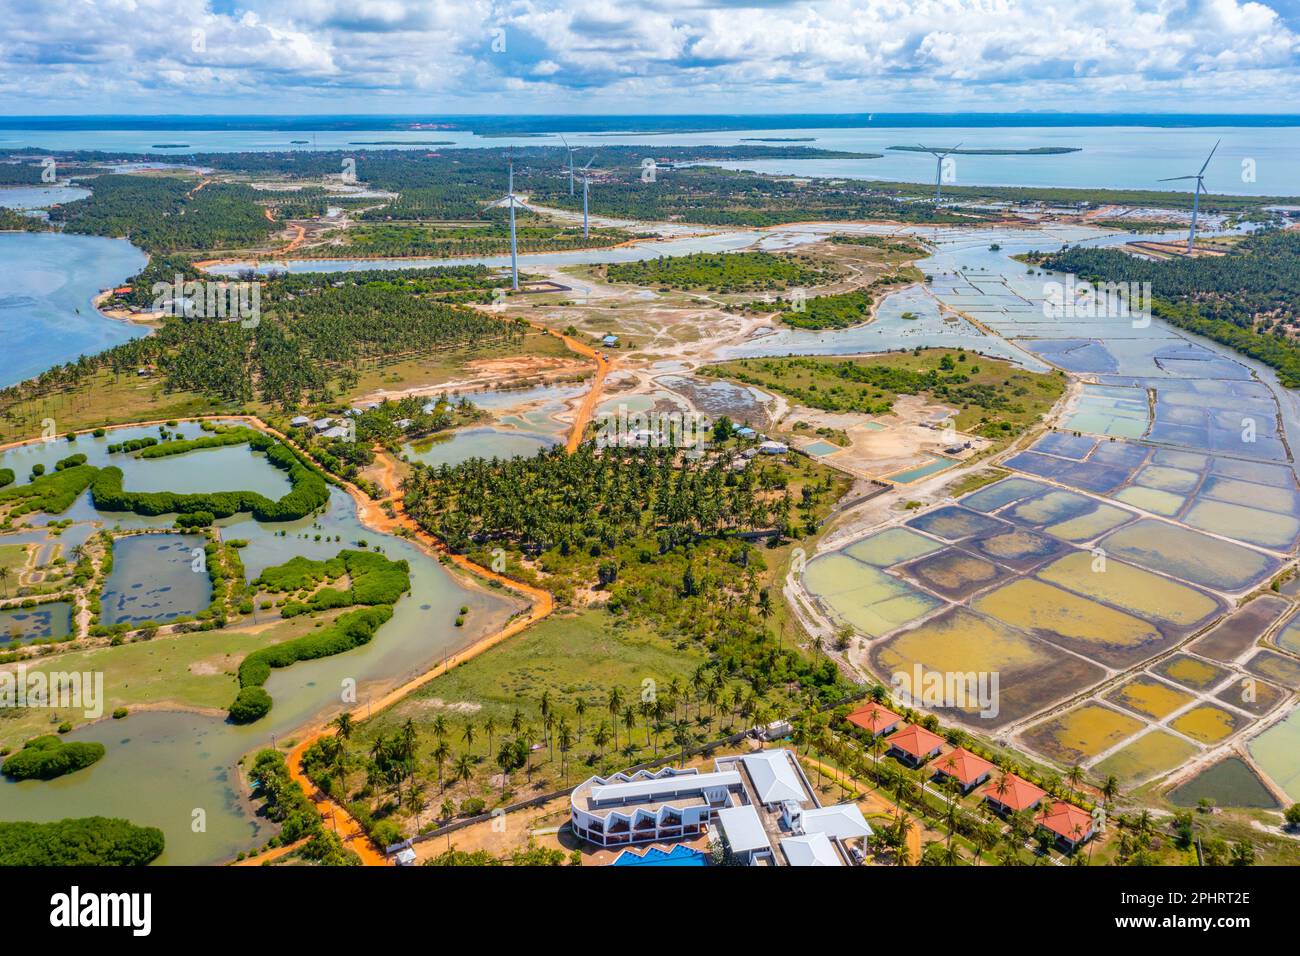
(680, 855)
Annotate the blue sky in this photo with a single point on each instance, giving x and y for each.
(647, 56)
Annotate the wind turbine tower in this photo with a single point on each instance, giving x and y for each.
(1196, 198)
(939, 156)
(510, 199)
(586, 184)
(570, 150)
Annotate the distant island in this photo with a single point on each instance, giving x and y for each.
(1030, 151)
(170, 146)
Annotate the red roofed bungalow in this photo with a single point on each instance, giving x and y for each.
(914, 745)
(965, 767)
(875, 719)
(1070, 825)
(1017, 795)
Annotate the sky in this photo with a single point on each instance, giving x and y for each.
(440, 57)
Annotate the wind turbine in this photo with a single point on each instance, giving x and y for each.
(586, 182)
(510, 199)
(1196, 199)
(571, 150)
(939, 156)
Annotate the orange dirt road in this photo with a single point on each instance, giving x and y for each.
(373, 516)
(588, 406)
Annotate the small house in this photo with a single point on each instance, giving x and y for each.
(299, 421)
(610, 341)
(914, 745)
(773, 448)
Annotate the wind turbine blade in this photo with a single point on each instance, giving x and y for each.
(590, 161)
(1173, 179)
(954, 149)
(1211, 156)
(565, 142)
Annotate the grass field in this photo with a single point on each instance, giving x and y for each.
(993, 399)
(571, 655)
(109, 399)
(192, 670)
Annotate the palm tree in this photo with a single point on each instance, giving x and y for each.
(490, 725)
(629, 721)
(4, 579)
(1110, 789)
(468, 735)
(566, 741)
(440, 754)
(581, 708)
(615, 704)
(601, 737)
(344, 724)
(439, 727)
(463, 768)
(1075, 776)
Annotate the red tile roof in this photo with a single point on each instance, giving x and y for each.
(1020, 794)
(1067, 820)
(915, 740)
(874, 718)
(963, 765)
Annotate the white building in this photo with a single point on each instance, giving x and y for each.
(663, 805)
(759, 805)
(775, 776)
(814, 849)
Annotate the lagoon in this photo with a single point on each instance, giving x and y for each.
(47, 281)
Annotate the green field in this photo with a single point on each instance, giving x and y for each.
(992, 398)
(192, 670)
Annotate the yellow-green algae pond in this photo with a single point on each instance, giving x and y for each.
(1148, 756)
(1087, 627)
(1208, 724)
(1031, 673)
(1276, 751)
(1081, 733)
(1150, 697)
(1141, 592)
(864, 596)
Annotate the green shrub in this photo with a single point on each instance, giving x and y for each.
(87, 841)
(250, 704)
(47, 757)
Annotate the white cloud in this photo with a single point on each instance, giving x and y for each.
(658, 55)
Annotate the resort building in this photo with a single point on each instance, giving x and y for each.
(875, 719)
(770, 447)
(914, 745)
(743, 830)
(758, 806)
(963, 766)
(1071, 826)
(299, 421)
(813, 849)
(1011, 794)
(651, 806)
(775, 776)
